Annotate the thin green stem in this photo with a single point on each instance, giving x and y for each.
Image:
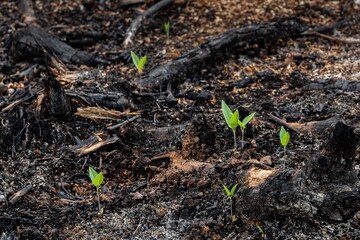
(98, 198)
(231, 209)
(284, 151)
(242, 138)
(235, 145)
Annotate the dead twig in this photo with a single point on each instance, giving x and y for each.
(332, 38)
(123, 123)
(19, 194)
(284, 123)
(130, 2)
(136, 23)
(307, 128)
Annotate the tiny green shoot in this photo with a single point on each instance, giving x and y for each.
(230, 194)
(263, 235)
(96, 179)
(242, 125)
(167, 28)
(138, 62)
(284, 138)
(231, 119)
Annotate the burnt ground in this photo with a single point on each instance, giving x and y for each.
(165, 169)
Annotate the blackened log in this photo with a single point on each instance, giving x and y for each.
(326, 188)
(208, 52)
(112, 100)
(34, 42)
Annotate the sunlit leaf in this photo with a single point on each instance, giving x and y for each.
(248, 118)
(142, 62)
(285, 139)
(234, 120)
(226, 112)
(242, 126)
(98, 180)
(92, 174)
(167, 28)
(282, 132)
(233, 189)
(135, 59)
(228, 193)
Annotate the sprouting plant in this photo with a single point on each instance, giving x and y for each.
(284, 138)
(96, 179)
(242, 125)
(167, 28)
(263, 235)
(138, 62)
(230, 195)
(231, 119)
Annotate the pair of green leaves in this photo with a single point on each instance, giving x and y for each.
(138, 62)
(284, 137)
(96, 178)
(232, 119)
(263, 235)
(230, 193)
(167, 28)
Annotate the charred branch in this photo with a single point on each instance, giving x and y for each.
(34, 42)
(136, 23)
(206, 53)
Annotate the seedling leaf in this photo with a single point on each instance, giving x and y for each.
(248, 118)
(263, 235)
(242, 126)
(167, 28)
(282, 132)
(92, 174)
(285, 139)
(135, 59)
(98, 180)
(233, 189)
(226, 112)
(228, 193)
(142, 62)
(234, 120)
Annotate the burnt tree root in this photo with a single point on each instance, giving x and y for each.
(326, 188)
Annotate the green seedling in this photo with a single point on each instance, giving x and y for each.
(96, 179)
(284, 138)
(263, 235)
(242, 125)
(231, 119)
(167, 28)
(138, 62)
(230, 195)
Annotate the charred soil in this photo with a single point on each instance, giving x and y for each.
(164, 147)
